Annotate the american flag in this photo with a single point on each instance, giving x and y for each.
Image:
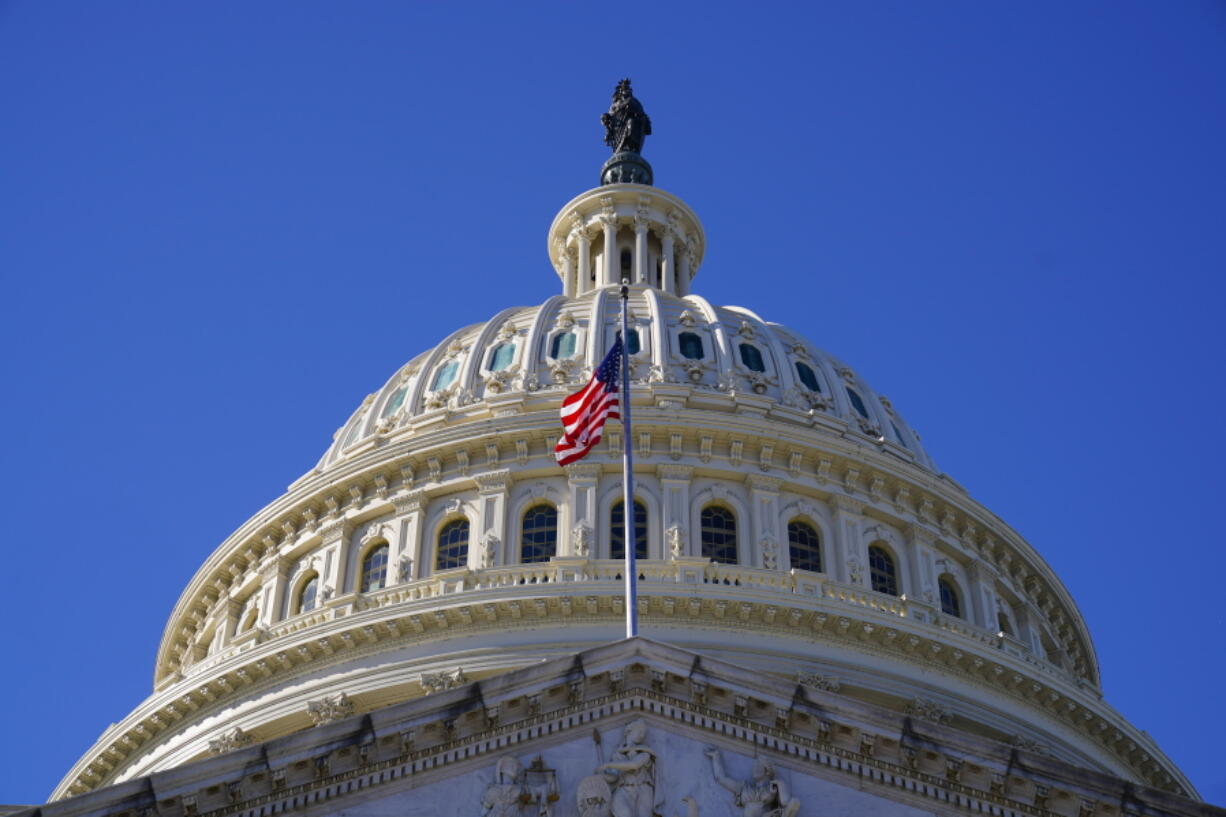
(584, 412)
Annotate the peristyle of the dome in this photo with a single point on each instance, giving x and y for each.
(790, 522)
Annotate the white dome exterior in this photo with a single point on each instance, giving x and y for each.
(464, 432)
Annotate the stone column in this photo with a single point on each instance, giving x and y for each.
(583, 281)
(851, 556)
(582, 479)
(764, 520)
(683, 271)
(487, 549)
(668, 269)
(640, 247)
(569, 284)
(611, 274)
(408, 549)
(675, 509)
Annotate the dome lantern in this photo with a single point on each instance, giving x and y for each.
(626, 228)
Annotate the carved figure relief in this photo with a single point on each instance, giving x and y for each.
(676, 541)
(631, 774)
(506, 795)
(489, 552)
(582, 536)
(765, 795)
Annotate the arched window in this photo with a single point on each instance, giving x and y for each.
(502, 356)
(807, 377)
(719, 534)
(633, 347)
(857, 403)
(804, 546)
(452, 545)
(1002, 622)
(445, 375)
(539, 534)
(617, 530)
(374, 569)
(307, 595)
(691, 345)
(881, 571)
(563, 345)
(950, 603)
(395, 402)
(751, 356)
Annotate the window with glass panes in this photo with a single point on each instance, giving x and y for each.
(718, 529)
(539, 534)
(751, 356)
(307, 595)
(950, 605)
(452, 545)
(881, 571)
(807, 376)
(563, 346)
(374, 569)
(691, 345)
(804, 547)
(617, 531)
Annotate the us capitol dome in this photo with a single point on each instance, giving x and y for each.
(812, 589)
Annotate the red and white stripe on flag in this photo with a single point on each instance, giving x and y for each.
(584, 413)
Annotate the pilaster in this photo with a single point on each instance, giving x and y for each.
(764, 520)
(850, 553)
(675, 509)
(407, 549)
(491, 519)
(581, 479)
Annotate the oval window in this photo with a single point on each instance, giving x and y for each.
(857, 403)
(691, 345)
(503, 355)
(752, 358)
(563, 346)
(807, 376)
(396, 402)
(446, 375)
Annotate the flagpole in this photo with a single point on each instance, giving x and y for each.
(629, 517)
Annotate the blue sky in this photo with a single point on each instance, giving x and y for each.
(223, 224)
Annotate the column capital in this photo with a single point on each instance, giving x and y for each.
(492, 481)
(409, 502)
(335, 531)
(582, 472)
(761, 482)
(846, 504)
(675, 472)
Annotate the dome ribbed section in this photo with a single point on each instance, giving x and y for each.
(691, 355)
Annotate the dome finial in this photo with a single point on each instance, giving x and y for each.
(626, 125)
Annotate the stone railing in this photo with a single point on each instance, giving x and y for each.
(700, 575)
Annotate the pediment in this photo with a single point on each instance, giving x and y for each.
(556, 776)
